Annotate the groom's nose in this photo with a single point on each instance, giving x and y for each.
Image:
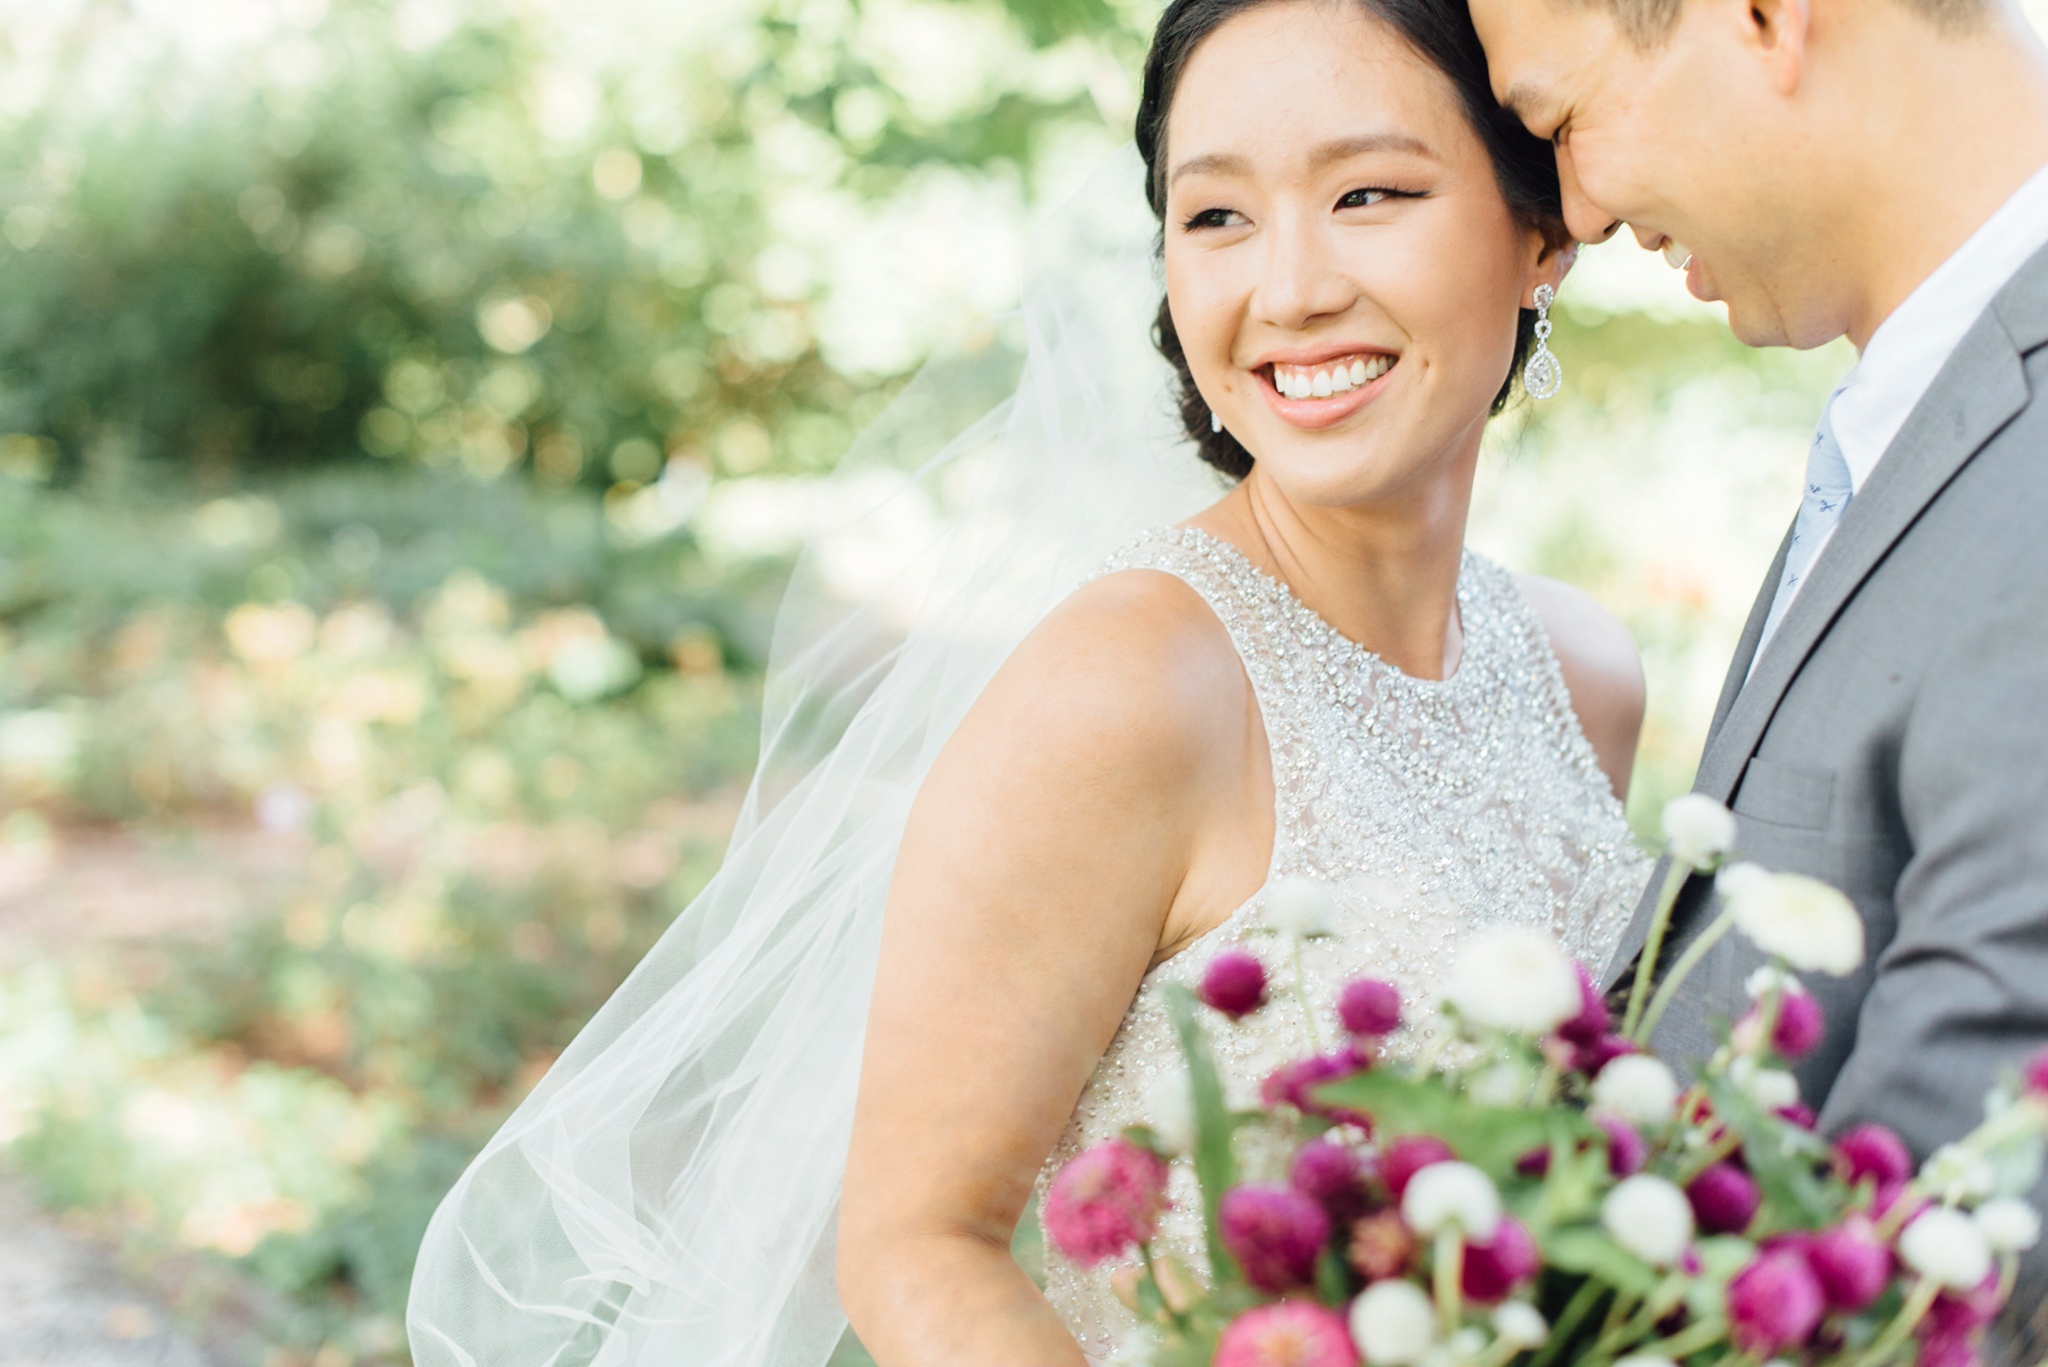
(1586, 220)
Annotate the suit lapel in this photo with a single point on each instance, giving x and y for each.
(1752, 633)
(1977, 393)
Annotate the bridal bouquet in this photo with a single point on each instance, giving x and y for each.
(1537, 1189)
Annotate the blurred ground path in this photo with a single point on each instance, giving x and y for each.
(64, 1304)
(80, 889)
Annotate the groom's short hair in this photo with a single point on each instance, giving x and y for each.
(1647, 21)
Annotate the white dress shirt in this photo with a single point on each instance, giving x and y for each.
(1912, 345)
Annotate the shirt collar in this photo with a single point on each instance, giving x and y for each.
(1916, 341)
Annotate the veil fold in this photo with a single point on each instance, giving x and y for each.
(668, 1194)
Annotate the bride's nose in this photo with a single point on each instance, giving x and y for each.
(1300, 278)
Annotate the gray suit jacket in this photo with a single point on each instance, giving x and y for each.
(1893, 741)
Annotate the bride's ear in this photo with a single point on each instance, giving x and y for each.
(1552, 266)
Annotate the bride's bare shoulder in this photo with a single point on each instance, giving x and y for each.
(1603, 669)
(1132, 672)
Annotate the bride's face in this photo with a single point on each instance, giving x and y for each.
(1342, 269)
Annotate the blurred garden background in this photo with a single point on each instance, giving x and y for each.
(408, 412)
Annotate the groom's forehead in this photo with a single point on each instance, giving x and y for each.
(1538, 51)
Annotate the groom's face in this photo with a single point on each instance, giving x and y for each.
(1687, 141)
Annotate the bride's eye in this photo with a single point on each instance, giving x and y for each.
(1213, 218)
(1367, 196)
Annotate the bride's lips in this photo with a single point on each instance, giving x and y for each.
(1364, 371)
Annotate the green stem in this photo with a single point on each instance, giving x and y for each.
(1575, 1312)
(1687, 962)
(1707, 1333)
(1660, 925)
(1450, 1278)
(1308, 1013)
(1180, 1321)
(1899, 1330)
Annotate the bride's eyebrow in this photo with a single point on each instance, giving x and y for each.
(1225, 163)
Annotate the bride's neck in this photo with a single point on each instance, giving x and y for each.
(1385, 574)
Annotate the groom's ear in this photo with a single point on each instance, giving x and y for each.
(1775, 32)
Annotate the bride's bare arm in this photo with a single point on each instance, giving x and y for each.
(1105, 795)
(1602, 668)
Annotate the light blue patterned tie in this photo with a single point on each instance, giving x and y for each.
(1828, 491)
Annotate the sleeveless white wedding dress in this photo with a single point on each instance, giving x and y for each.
(1434, 809)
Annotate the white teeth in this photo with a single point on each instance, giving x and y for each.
(1299, 382)
(1340, 380)
(1675, 255)
(1322, 384)
(1359, 374)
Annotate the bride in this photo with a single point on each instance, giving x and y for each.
(1030, 783)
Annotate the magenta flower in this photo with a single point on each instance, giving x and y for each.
(1402, 1159)
(1799, 1115)
(1274, 1232)
(1873, 1153)
(1234, 983)
(1535, 1163)
(1591, 1058)
(1106, 1201)
(1594, 1020)
(1774, 1304)
(1504, 1264)
(2034, 1077)
(1801, 1025)
(1370, 1007)
(1333, 1176)
(1724, 1199)
(1627, 1150)
(1954, 1326)
(1294, 1084)
(1289, 1334)
(1851, 1263)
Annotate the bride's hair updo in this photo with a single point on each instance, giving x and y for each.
(1441, 32)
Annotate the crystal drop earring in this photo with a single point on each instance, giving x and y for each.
(1543, 376)
(1215, 421)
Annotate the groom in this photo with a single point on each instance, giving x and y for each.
(1871, 169)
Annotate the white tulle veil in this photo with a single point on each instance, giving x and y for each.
(668, 1194)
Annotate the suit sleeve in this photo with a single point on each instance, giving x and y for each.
(1961, 994)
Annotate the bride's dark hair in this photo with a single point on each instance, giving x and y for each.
(1440, 31)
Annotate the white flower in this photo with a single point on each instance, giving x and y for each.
(1521, 1325)
(1300, 905)
(1772, 1089)
(1504, 1085)
(1959, 1174)
(1795, 918)
(1393, 1323)
(1645, 1360)
(1946, 1247)
(1769, 979)
(1443, 1195)
(2009, 1225)
(1650, 1218)
(1138, 1348)
(1637, 1088)
(1169, 1109)
(1698, 830)
(1515, 979)
(1466, 1344)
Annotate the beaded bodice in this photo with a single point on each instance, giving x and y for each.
(1433, 808)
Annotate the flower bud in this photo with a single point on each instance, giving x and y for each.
(1650, 1218)
(2009, 1225)
(1106, 1201)
(1331, 1175)
(1300, 905)
(1852, 1265)
(1627, 1150)
(1947, 1248)
(1393, 1324)
(2034, 1077)
(1774, 1304)
(1698, 831)
(1381, 1246)
(1594, 1020)
(1872, 1153)
(1291, 1332)
(1795, 918)
(1402, 1159)
(1637, 1088)
(1800, 1027)
(1370, 1008)
(1452, 1195)
(1234, 983)
(1515, 979)
(1498, 1267)
(1724, 1199)
(1274, 1232)
(1521, 1325)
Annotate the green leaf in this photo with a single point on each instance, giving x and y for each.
(1784, 1159)
(1490, 1137)
(1215, 1163)
(1593, 1254)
